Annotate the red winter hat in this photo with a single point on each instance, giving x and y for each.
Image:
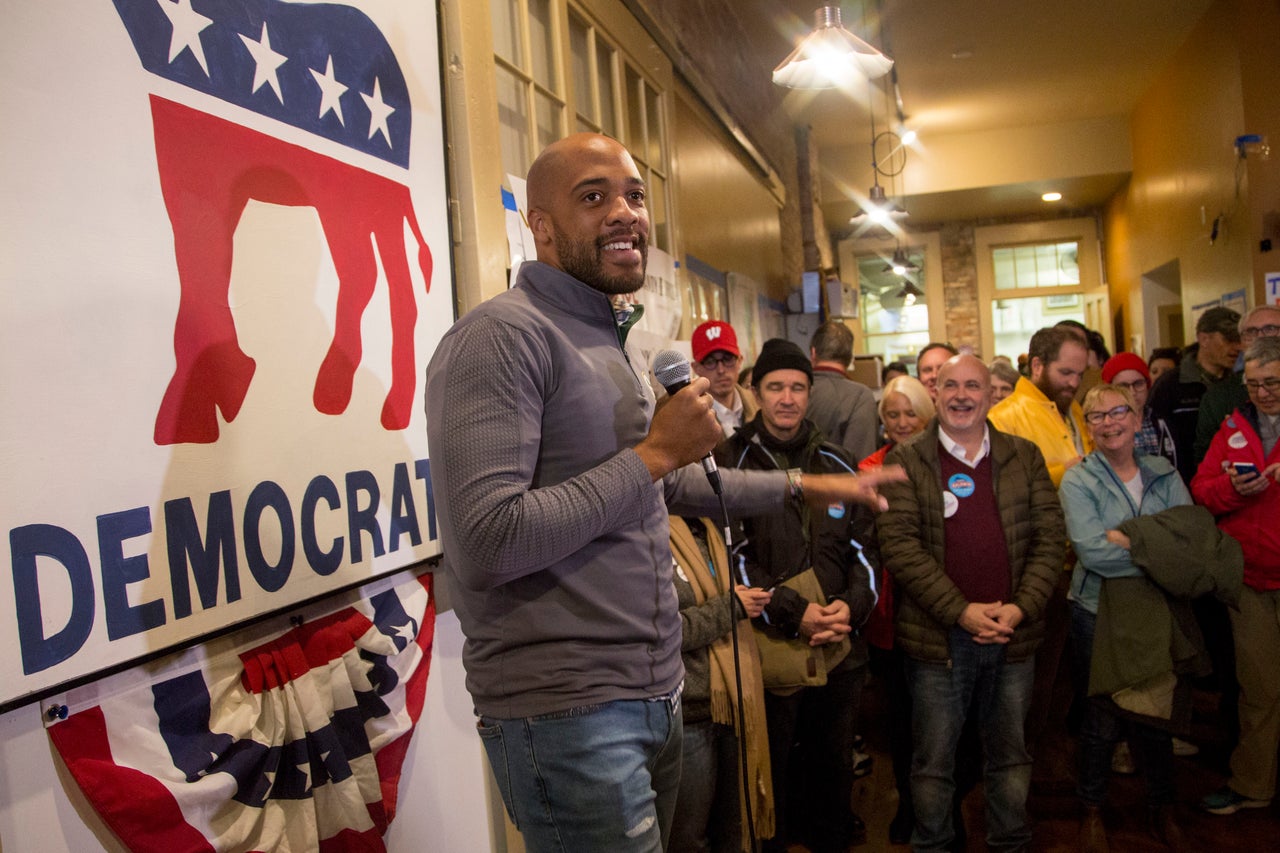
(714, 335)
(1122, 361)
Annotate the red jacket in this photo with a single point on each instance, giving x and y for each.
(1252, 521)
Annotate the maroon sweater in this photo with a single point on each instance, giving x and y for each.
(977, 557)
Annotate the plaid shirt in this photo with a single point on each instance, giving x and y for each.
(1146, 439)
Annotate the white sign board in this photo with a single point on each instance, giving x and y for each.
(226, 266)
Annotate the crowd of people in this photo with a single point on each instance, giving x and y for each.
(1045, 521)
(661, 659)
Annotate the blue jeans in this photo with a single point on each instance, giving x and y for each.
(594, 778)
(1101, 728)
(999, 692)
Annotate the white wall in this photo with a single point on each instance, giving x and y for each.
(442, 806)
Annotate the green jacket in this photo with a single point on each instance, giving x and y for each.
(911, 536)
(1144, 627)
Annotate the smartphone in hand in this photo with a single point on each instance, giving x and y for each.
(1245, 469)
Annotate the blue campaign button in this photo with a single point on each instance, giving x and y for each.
(961, 485)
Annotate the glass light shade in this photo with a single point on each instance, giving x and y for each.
(830, 56)
(879, 209)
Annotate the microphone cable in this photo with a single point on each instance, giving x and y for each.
(740, 726)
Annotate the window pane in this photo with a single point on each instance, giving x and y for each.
(633, 102)
(548, 113)
(1068, 263)
(653, 122)
(1046, 265)
(1002, 261)
(506, 30)
(894, 313)
(513, 119)
(1015, 320)
(580, 66)
(1042, 265)
(542, 46)
(659, 227)
(608, 96)
(1024, 263)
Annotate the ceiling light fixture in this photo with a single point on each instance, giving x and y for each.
(878, 209)
(1054, 196)
(830, 56)
(901, 264)
(909, 294)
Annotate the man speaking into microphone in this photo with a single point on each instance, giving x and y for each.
(553, 476)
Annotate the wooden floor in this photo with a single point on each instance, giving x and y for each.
(1054, 808)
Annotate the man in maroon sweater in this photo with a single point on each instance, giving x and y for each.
(974, 541)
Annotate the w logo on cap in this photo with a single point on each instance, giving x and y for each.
(713, 333)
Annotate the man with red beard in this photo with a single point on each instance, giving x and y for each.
(1043, 409)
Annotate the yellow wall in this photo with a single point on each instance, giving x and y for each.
(1258, 31)
(1183, 161)
(728, 218)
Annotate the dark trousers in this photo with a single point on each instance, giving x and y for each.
(811, 752)
(1101, 728)
(1048, 661)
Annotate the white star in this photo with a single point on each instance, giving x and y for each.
(187, 24)
(378, 112)
(305, 769)
(331, 92)
(265, 61)
(405, 631)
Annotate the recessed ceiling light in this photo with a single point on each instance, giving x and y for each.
(1051, 197)
(962, 53)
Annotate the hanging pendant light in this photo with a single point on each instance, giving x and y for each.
(830, 56)
(901, 264)
(877, 209)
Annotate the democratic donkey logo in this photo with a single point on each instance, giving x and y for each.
(328, 70)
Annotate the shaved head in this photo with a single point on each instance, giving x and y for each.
(587, 212)
(959, 360)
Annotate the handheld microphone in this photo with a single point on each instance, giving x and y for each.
(673, 371)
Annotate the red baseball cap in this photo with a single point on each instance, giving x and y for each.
(714, 335)
(1122, 361)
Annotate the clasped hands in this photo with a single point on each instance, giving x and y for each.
(991, 622)
(822, 624)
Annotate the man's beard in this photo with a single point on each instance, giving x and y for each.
(1061, 397)
(581, 259)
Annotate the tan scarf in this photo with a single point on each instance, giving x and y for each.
(684, 547)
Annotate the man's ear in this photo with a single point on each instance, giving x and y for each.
(540, 225)
(1035, 366)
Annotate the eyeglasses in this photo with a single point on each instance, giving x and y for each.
(1132, 386)
(1272, 384)
(716, 360)
(1269, 331)
(1118, 413)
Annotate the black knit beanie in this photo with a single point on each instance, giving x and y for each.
(780, 354)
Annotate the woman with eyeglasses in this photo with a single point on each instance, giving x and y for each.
(1111, 485)
(1239, 482)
